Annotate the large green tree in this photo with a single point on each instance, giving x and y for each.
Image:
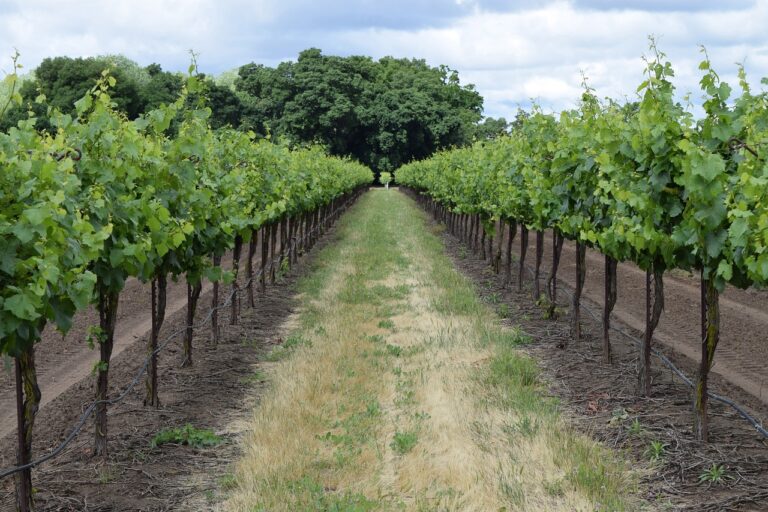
(383, 113)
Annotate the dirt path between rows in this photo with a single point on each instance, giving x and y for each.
(742, 354)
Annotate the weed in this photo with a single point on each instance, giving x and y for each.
(387, 324)
(635, 428)
(189, 435)
(714, 475)
(403, 442)
(655, 451)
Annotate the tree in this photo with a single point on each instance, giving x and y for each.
(383, 113)
(491, 128)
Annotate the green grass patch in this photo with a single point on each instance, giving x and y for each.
(404, 442)
(186, 435)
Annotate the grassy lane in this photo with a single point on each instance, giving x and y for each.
(397, 389)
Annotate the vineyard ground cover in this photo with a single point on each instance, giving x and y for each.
(602, 399)
(208, 395)
(402, 391)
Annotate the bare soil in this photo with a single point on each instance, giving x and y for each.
(601, 399)
(212, 394)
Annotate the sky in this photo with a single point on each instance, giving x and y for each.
(514, 52)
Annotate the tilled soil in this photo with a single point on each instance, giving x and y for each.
(214, 393)
(602, 401)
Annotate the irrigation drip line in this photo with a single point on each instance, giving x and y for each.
(757, 425)
(77, 429)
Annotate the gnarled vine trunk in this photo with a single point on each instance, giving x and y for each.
(551, 285)
(654, 305)
(710, 335)
(523, 252)
(608, 305)
(193, 294)
(159, 296)
(27, 404)
(581, 271)
(537, 270)
(215, 331)
(107, 307)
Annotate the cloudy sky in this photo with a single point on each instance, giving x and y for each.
(513, 51)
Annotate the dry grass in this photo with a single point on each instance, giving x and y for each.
(402, 392)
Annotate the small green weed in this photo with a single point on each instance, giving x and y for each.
(387, 324)
(635, 429)
(189, 435)
(403, 442)
(655, 451)
(714, 475)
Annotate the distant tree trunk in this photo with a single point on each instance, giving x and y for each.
(482, 241)
(523, 251)
(272, 245)
(499, 245)
(249, 269)
(609, 303)
(193, 294)
(159, 294)
(236, 252)
(512, 230)
(537, 271)
(476, 241)
(215, 305)
(265, 256)
(283, 239)
(471, 237)
(557, 250)
(581, 270)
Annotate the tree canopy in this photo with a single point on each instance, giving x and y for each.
(383, 113)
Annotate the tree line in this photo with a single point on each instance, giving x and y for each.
(383, 113)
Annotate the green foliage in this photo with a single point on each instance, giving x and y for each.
(383, 113)
(640, 181)
(102, 198)
(188, 435)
